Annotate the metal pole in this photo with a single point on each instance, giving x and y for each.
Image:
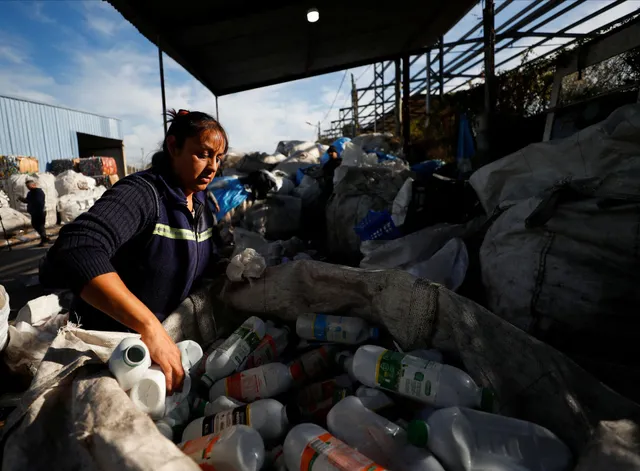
(217, 114)
(406, 101)
(375, 97)
(354, 104)
(164, 99)
(489, 78)
(427, 97)
(441, 63)
(398, 100)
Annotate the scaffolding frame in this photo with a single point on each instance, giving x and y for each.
(444, 62)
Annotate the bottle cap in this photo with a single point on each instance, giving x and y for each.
(375, 333)
(488, 400)
(199, 407)
(134, 355)
(418, 433)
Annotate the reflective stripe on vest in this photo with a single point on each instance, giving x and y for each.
(169, 232)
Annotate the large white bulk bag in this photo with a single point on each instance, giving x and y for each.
(70, 182)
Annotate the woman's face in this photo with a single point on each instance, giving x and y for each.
(197, 162)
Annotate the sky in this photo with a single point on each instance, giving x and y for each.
(84, 55)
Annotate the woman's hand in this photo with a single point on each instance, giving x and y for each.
(165, 353)
(110, 295)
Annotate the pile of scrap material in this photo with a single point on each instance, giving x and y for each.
(503, 304)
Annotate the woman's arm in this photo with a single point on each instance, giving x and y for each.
(110, 295)
(80, 260)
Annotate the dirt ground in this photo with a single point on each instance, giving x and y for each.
(19, 269)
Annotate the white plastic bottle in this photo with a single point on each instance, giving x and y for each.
(426, 381)
(190, 354)
(267, 416)
(201, 407)
(469, 440)
(270, 347)
(174, 420)
(377, 438)
(257, 383)
(373, 399)
(345, 361)
(339, 329)
(198, 369)
(232, 352)
(129, 362)
(275, 459)
(237, 448)
(309, 447)
(148, 394)
(313, 403)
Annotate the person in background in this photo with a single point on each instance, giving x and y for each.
(35, 201)
(142, 248)
(329, 168)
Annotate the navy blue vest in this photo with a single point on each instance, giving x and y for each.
(164, 262)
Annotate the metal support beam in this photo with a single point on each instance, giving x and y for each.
(398, 100)
(164, 99)
(441, 62)
(406, 101)
(217, 114)
(354, 104)
(427, 97)
(488, 16)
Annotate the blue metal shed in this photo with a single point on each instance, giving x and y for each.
(50, 132)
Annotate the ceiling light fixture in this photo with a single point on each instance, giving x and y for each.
(313, 15)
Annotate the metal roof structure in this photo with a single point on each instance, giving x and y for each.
(235, 46)
(49, 132)
(448, 67)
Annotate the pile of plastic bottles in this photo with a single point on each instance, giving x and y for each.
(326, 399)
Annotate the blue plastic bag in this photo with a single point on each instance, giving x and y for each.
(427, 168)
(377, 225)
(229, 197)
(301, 173)
(339, 145)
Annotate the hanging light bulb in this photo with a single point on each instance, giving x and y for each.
(313, 15)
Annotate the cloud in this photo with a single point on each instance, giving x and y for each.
(36, 12)
(102, 18)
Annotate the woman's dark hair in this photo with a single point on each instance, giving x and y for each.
(185, 124)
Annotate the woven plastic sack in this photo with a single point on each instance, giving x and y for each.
(13, 221)
(359, 191)
(277, 217)
(5, 310)
(71, 182)
(96, 426)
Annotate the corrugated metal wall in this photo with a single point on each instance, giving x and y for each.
(48, 132)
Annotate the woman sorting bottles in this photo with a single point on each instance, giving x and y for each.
(140, 250)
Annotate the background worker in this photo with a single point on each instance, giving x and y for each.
(141, 249)
(35, 201)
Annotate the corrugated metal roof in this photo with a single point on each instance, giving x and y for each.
(48, 132)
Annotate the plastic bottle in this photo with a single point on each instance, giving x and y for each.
(377, 438)
(267, 416)
(257, 383)
(198, 369)
(237, 448)
(345, 361)
(426, 381)
(129, 362)
(427, 354)
(374, 399)
(275, 459)
(270, 347)
(172, 424)
(232, 352)
(190, 353)
(469, 440)
(201, 407)
(148, 394)
(313, 403)
(339, 329)
(311, 448)
(312, 364)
